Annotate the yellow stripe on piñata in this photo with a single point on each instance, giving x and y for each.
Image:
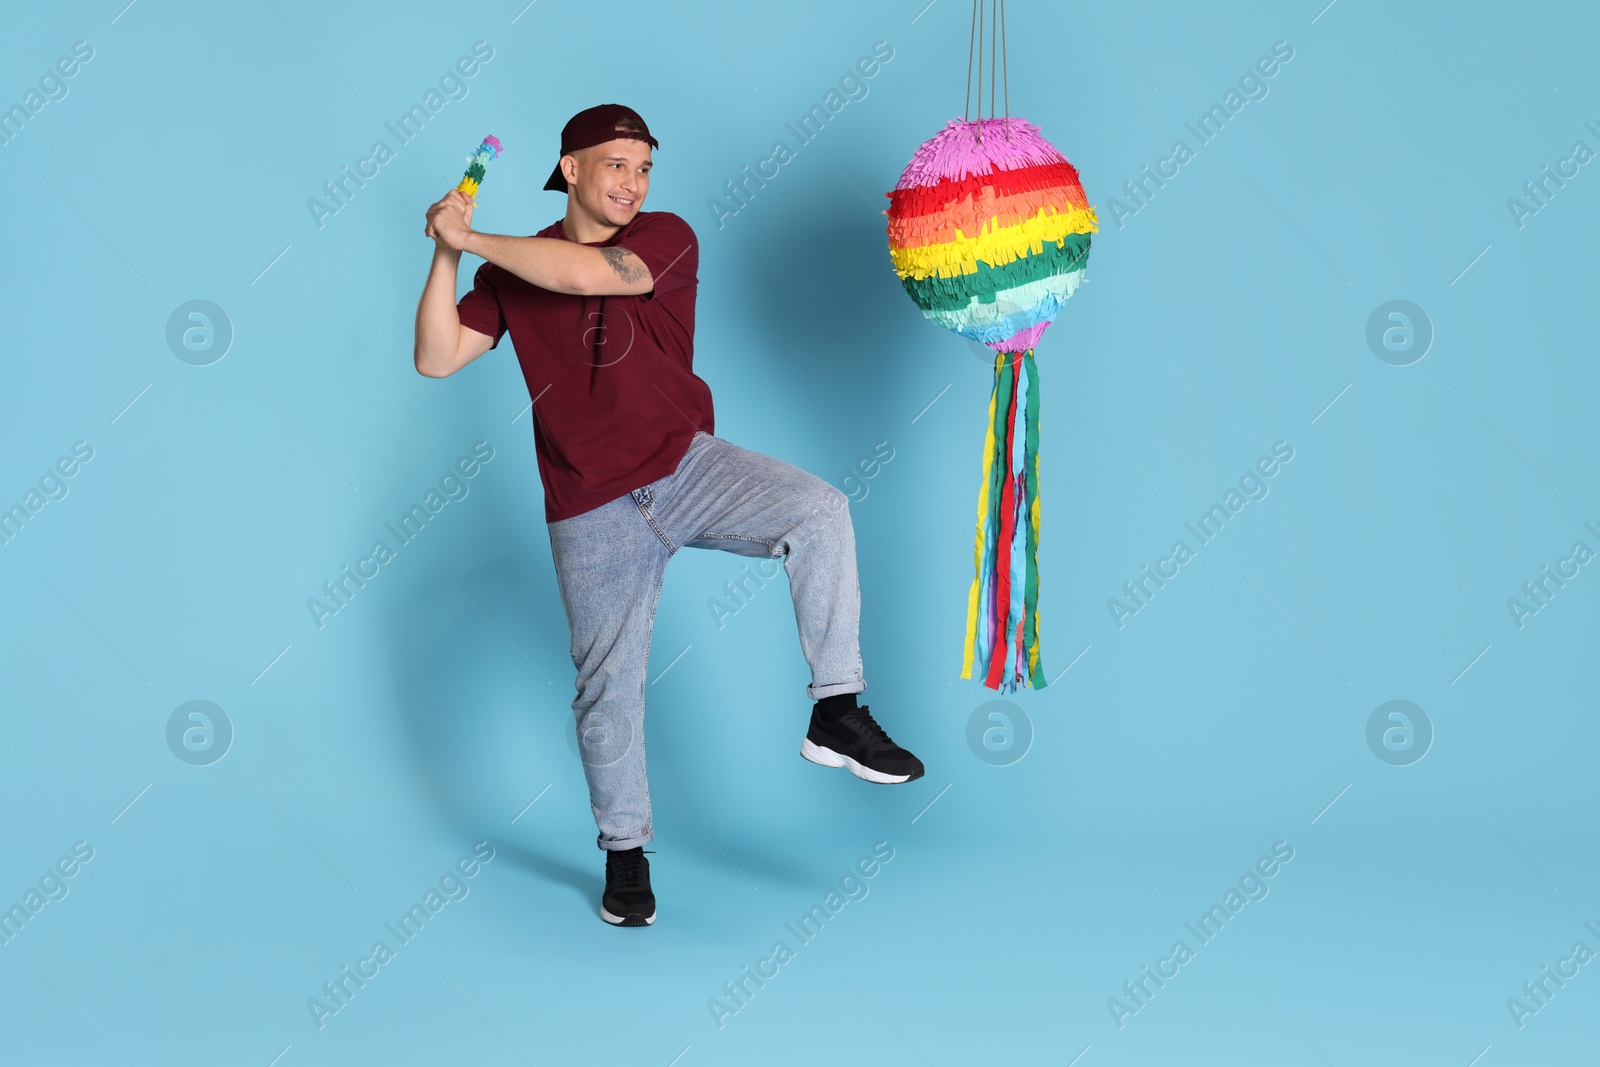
(997, 247)
(983, 514)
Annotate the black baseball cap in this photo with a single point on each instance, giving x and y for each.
(597, 125)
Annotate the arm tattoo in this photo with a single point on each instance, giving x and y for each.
(627, 265)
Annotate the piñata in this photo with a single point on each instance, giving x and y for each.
(989, 232)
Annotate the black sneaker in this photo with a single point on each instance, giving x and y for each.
(627, 900)
(856, 742)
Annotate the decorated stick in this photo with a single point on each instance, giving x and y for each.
(478, 164)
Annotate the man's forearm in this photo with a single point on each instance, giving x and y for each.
(438, 324)
(550, 263)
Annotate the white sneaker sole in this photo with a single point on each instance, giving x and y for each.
(618, 920)
(827, 757)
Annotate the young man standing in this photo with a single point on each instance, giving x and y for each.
(600, 305)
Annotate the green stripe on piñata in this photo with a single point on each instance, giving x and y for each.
(935, 293)
(1023, 298)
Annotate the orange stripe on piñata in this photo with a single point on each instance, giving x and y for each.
(927, 199)
(970, 216)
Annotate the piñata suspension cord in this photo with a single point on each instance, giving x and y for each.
(975, 47)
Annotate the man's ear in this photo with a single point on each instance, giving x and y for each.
(570, 172)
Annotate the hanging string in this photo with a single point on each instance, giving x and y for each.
(966, 101)
(996, 11)
(1005, 80)
(980, 7)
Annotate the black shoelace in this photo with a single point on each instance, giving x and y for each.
(629, 870)
(863, 723)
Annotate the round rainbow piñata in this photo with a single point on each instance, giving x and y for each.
(989, 232)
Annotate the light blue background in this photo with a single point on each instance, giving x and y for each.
(1229, 313)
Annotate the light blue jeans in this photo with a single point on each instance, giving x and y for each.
(610, 563)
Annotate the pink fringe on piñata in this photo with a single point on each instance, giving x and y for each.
(1021, 340)
(956, 153)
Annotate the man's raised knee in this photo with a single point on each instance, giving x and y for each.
(823, 508)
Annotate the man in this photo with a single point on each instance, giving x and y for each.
(600, 306)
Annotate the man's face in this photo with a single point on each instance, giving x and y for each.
(613, 179)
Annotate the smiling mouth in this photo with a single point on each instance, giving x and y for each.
(621, 201)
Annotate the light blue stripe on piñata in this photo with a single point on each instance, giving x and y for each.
(1012, 310)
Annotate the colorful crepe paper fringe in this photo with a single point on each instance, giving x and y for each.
(990, 237)
(478, 165)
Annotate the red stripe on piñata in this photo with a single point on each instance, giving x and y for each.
(985, 210)
(927, 199)
(1002, 566)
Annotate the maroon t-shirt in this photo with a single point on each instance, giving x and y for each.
(616, 401)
